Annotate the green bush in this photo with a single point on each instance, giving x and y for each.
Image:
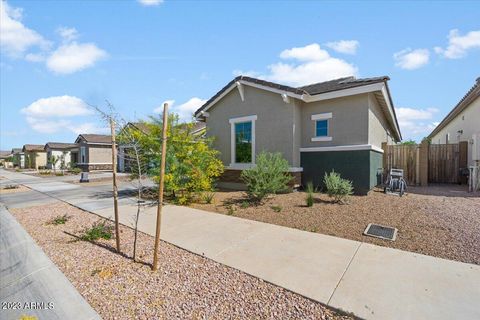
(337, 188)
(60, 219)
(310, 190)
(207, 197)
(100, 229)
(75, 170)
(44, 172)
(59, 174)
(269, 176)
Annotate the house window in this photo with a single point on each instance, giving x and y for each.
(321, 127)
(82, 154)
(243, 140)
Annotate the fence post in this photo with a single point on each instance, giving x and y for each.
(423, 155)
(462, 160)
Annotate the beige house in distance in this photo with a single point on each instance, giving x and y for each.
(67, 151)
(35, 157)
(94, 152)
(462, 124)
(334, 125)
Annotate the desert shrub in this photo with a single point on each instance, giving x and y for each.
(59, 174)
(11, 186)
(61, 219)
(276, 208)
(310, 190)
(230, 210)
(99, 230)
(17, 170)
(75, 170)
(244, 204)
(337, 188)
(45, 172)
(207, 197)
(269, 176)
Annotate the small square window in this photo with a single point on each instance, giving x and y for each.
(321, 129)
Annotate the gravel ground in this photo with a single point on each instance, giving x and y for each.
(186, 286)
(21, 188)
(445, 225)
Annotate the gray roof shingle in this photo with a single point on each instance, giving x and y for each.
(61, 145)
(96, 138)
(311, 89)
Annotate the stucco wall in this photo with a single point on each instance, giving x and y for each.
(377, 124)
(274, 127)
(59, 154)
(348, 125)
(468, 121)
(99, 154)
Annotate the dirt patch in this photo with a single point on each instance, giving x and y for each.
(441, 226)
(186, 286)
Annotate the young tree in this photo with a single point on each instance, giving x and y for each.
(192, 165)
(53, 160)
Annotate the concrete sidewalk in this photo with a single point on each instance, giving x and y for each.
(370, 281)
(31, 282)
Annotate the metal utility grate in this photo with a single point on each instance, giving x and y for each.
(382, 232)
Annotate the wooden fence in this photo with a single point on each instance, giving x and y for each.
(427, 163)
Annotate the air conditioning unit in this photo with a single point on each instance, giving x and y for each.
(476, 146)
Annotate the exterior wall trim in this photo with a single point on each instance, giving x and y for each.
(93, 163)
(343, 148)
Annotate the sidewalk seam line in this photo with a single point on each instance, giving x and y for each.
(343, 274)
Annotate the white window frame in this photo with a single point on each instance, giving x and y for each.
(321, 116)
(233, 121)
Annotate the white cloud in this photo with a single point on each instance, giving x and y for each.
(89, 127)
(185, 111)
(313, 64)
(344, 46)
(60, 106)
(458, 45)
(61, 113)
(15, 37)
(150, 2)
(411, 59)
(159, 109)
(73, 57)
(416, 123)
(68, 34)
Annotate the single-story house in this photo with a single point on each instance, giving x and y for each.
(334, 125)
(35, 156)
(64, 152)
(95, 152)
(462, 124)
(6, 158)
(18, 158)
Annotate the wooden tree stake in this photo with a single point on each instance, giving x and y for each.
(115, 188)
(160, 187)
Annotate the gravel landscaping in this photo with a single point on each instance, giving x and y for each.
(6, 188)
(442, 221)
(186, 286)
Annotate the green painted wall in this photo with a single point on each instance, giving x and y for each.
(361, 167)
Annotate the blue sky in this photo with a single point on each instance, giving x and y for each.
(57, 57)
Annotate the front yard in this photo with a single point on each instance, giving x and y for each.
(441, 221)
(186, 286)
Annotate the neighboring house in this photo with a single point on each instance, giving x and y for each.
(335, 125)
(95, 152)
(18, 158)
(64, 152)
(462, 124)
(6, 158)
(35, 156)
